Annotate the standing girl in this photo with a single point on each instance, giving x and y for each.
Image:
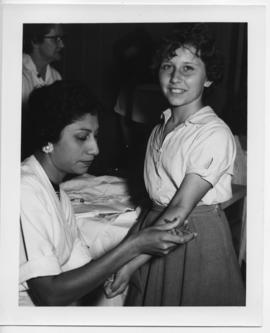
(188, 171)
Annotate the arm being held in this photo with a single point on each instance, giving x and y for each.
(69, 286)
(192, 189)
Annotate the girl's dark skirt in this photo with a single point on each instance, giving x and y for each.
(204, 272)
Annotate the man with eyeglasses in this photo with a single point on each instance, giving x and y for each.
(42, 45)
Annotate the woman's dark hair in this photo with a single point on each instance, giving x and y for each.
(34, 33)
(198, 36)
(53, 107)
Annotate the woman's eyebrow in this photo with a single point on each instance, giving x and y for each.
(88, 130)
(84, 129)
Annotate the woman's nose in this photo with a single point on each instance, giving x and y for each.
(93, 147)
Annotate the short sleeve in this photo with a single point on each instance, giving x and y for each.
(212, 154)
(38, 257)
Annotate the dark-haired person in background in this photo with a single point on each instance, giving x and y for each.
(188, 171)
(56, 267)
(42, 45)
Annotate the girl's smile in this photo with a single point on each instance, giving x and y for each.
(182, 79)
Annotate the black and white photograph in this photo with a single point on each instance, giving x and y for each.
(149, 151)
(138, 170)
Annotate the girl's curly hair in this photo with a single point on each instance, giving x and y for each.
(198, 36)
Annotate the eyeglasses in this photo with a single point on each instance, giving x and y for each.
(57, 39)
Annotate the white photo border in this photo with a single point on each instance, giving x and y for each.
(13, 18)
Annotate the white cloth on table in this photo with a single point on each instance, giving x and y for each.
(103, 235)
(104, 214)
(51, 242)
(203, 145)
(99, 195)
(104, 210)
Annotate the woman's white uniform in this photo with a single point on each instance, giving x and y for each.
(50, 241)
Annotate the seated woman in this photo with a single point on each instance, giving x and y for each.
(55, 264)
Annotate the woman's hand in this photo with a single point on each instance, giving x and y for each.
(118, 284)
(161, 239)
(158, 240)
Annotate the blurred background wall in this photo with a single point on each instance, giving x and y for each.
(90, 55)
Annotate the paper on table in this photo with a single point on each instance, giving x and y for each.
(98, 195)
(107, 207)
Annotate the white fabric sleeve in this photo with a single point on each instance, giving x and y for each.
(80, 254)
(38, 257)
(212, 155)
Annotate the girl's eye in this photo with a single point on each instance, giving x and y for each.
(188, 68)
(165, 67)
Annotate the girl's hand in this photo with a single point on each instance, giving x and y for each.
(120, 282)
(181, 229)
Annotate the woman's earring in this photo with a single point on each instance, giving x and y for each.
(48, 149)
(207, 84)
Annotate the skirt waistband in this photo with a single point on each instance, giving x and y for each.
(198, 210)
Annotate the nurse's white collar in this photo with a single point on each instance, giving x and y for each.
(201, 117)
(29, 64)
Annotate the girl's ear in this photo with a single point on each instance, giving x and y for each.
(207, 84)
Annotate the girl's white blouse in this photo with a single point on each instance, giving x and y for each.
(203, 145)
